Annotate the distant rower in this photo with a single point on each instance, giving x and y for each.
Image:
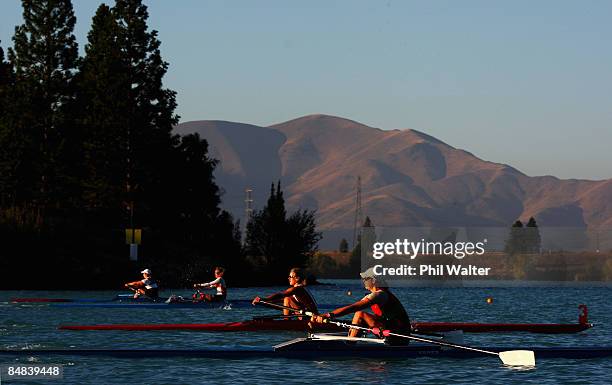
(389, 313)
(296, 296)
(147, 286)
(218, 283)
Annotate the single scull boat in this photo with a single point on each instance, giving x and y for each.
(314, 348)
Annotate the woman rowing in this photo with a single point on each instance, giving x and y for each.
(296, 296)
(388, 311)
(218, 284)
(147, 286)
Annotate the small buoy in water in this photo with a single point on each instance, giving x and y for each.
(349, 293)
(489, 300)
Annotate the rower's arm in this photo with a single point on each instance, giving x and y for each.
(280, 294)
(135, 284)
(359, 305)
(209, 284)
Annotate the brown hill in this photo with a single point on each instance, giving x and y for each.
(408, 178)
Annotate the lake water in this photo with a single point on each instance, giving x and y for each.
(34, 326)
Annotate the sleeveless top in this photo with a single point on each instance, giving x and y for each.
(302, 296)
(387, 307)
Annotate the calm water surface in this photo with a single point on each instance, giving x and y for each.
(35, 326)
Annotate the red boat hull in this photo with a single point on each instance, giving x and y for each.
(297, 325)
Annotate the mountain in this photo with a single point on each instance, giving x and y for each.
(408, 178)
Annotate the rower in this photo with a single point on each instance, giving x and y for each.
(296, 296)
(218, 283)
(389, 313)
(147, 286)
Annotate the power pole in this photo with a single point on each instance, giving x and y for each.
(358, 214)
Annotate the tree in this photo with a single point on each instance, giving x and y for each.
(524, 239)
(281, 242)
(343, 246)
(44, 57)
(78, 148)
(533, 240)
(191, 209)
(8, 161)
(150, 112)
(103, 98)
(302, 236)
(266, 229)
(515, 244)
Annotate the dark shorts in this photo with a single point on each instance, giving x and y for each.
(152, 293)
(396, 327)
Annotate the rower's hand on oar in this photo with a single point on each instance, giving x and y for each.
(256, 300)
(320, 318)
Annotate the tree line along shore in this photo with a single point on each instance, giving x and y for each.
(88, 152)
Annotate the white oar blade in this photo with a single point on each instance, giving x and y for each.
(518, 358)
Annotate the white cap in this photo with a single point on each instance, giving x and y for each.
(368, 273)
(378, 280)
(146, 271)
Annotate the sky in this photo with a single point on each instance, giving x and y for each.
(525, 83)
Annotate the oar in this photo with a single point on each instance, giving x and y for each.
(510, 357)
(281, 307)
(132, 289)
(276, 317)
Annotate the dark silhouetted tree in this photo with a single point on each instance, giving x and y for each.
(515, 244)
(103, 94)
(9, 156)
(344, 246)
(44, 57)
(533, 240)
(282, 242)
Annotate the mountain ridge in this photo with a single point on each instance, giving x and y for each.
(409, 178)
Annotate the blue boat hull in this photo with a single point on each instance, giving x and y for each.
(368, 352)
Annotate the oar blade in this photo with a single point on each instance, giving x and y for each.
(518, 358)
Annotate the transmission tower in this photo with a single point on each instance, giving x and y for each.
(358, 214)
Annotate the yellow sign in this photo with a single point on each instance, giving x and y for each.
(133, 236)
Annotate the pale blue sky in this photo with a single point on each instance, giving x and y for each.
(526, 83)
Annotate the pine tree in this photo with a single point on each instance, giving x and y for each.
(44, 57)
(533, 240)
(7, 80)
(194, 197)
(343, 248)
(151, 112)
(282, 242)
(265, 230)
(8, 160)
(515, 244)
(103, 92)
